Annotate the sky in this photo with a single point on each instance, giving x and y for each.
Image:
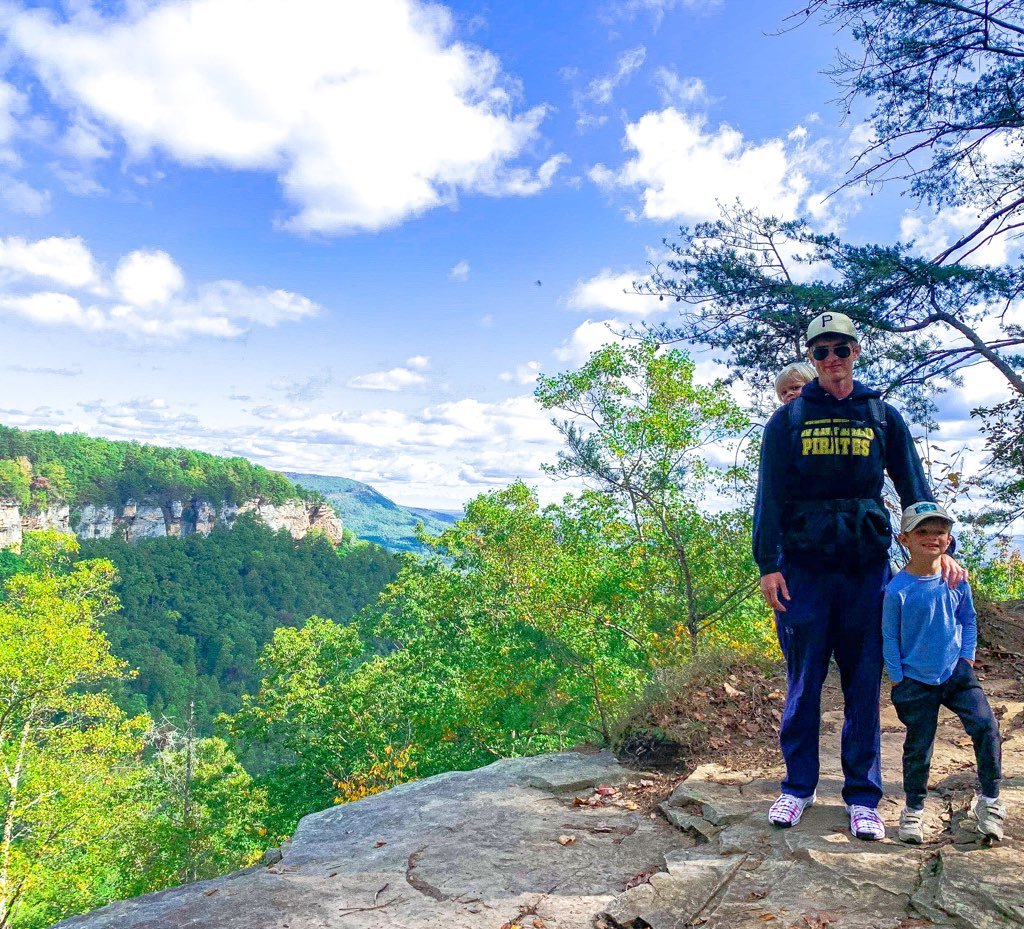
(344, 237)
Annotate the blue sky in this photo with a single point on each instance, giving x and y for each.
(343, 237)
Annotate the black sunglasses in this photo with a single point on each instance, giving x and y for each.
(840, 351)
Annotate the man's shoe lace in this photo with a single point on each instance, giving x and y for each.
(865, 823)
(787, 810)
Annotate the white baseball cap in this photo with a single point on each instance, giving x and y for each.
(831, 324)
(917, 513)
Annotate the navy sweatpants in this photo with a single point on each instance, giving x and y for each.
(830, 613)
(917, 706)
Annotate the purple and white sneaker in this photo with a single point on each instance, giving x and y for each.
(787, 810)
(865, 823)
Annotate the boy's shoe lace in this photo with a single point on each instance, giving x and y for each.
(865, 823)
(991, 815)
(911, 826)
(787, 810)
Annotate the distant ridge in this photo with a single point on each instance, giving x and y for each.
(372, 516)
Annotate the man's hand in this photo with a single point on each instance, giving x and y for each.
(772, 586)
(952, 572)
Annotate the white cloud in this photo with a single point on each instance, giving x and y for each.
(522, 182)
(66, 261)
(302, 391)
(11, 104)
(933, 234)
(147, 295)
(368, 113)
(20, 197)
(679, 90)
(628, 9)
(146, 278)
(610, 291)
(601, 89)
(419, 362)
(460, 271)
(525, 374)
(685, 171)
(393, 380)
(587, 338)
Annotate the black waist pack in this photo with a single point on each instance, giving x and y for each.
(836, 533)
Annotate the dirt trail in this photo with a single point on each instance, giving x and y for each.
(744, 873)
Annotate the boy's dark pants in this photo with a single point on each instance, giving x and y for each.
(917, 706)
(833, 612)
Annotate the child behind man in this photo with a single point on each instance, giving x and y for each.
(929, 635)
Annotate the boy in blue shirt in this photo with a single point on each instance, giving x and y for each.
(929, 636)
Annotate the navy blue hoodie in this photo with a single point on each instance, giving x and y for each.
(836, 456)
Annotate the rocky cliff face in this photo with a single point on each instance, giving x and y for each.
(169, 518)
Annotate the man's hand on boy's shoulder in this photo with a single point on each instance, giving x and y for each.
(953, 573)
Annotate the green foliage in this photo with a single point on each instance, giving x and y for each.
(15, 481)
(519, 636)
(196, 612)
(81, 470)
(528, 628)
(69, 758)
(204, 815)
(996, 568)
(641, 429)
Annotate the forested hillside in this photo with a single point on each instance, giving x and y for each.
(196, 612)
(79, 469)
(371, 515)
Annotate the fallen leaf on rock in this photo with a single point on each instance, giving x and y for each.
(539, 923)
(646, 783)
(630, 805)
(766, 917)
(566, 839)
(606, 791)
(210, 892)
(379, 844)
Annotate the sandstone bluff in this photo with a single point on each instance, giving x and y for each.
(511, 845)
(170, 518)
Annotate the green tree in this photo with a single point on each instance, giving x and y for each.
(643, 431)
(944, 81)
(69, 758)
(203, 813)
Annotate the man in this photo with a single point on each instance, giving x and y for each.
(821, 539)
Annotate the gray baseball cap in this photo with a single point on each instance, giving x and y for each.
(831, 324)
(917, 513)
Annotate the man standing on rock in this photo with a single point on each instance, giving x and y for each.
(821, 539)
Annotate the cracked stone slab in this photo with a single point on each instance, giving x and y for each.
(723, 796)
(470, 849)
(674, 900)
(984, 889)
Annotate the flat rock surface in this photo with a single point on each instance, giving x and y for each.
(506, 846)
(465, 849)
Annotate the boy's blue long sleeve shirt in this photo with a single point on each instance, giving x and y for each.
(927, 627)
(819, 469)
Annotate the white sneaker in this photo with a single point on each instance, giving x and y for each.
(911, 826)
(990, 815)
(787, 810)
(865, 823)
